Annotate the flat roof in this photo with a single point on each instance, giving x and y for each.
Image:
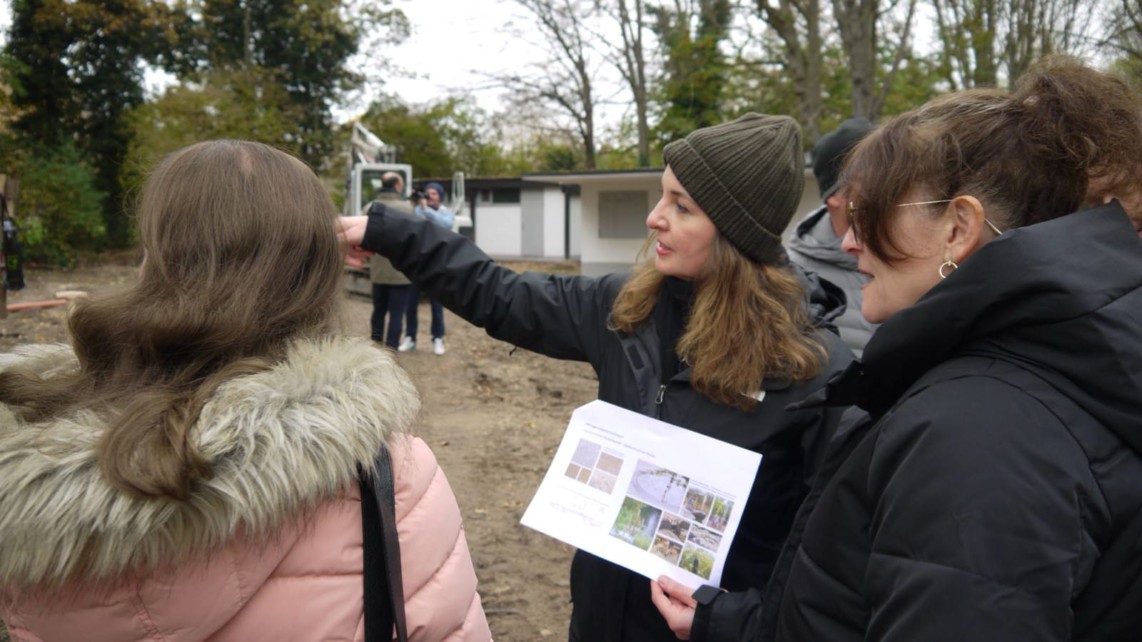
(593, 174)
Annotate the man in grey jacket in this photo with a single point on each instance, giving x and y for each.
(816, 243)
(391, 288)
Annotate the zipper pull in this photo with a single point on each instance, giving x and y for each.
(661, 394)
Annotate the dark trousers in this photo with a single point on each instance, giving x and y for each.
(391, 300)
(411, 320)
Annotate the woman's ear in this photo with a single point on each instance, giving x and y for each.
(966, 233)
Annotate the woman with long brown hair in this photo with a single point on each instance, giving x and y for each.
(715, 333)
(188, 469)
(997, 495)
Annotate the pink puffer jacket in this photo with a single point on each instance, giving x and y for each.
(270, 548)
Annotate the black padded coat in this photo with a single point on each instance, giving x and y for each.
(566, 318)
(998, 495)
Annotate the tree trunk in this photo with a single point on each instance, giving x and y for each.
(803, 55)
(856, 21)
(633, 69)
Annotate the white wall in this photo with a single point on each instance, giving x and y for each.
(600, 256)
(597, 255)
(499, 229)
(553, 224)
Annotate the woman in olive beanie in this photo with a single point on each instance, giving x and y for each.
(715, 332)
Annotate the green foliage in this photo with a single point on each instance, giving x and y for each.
(558, 158)
(694, 71)
(918, 81)
(303, 47)
(1129, 68)
(267, 70)
(76, 71)
(1125, 42)
(59, 207)
(417, 133)
(244, 104)
(620, 148)
(473, 138)
(755, 84)
(443, 137)
(697, 562)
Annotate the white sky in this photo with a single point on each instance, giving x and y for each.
(453, 44)
(457, 44)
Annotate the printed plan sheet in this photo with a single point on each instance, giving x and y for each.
(644, 494)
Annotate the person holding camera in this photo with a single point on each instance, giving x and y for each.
(428, 206)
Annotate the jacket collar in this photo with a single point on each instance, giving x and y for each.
(280, 442)
(814, 237)
(1057, 296)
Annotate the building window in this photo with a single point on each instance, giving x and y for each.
(499, 195)
(622, 215)
(505, 195)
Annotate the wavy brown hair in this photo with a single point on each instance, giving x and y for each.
(748, 323)
(240, 258)
(1066, 137)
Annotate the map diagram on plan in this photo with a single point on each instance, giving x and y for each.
(644, 494)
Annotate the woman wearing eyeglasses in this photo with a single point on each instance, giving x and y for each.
(714, 332)
(997, 492)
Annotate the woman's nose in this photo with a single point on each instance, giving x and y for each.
(850, 244)
(655, 220)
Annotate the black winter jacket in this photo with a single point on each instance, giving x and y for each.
(998, 496)
(566, 318)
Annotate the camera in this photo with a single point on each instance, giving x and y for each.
(417, 195)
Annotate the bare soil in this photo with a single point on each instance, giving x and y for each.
(493, 415)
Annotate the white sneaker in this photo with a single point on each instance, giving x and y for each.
(408, 344)
(438, 346)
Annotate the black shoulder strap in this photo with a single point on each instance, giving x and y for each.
(384, 590)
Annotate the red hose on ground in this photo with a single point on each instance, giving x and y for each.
(50, 303)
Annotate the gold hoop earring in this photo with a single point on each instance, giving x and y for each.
(948, 264)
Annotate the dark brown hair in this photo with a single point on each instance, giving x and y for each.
(1066, 136)
(748, 323)
(241, 256)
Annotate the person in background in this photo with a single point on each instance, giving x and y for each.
(13, 255)
(716, 332)
(816, 242)
(998, 494)
(391, 289)
(431, 208)
(189, 470)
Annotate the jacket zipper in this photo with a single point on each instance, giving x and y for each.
(658, 401)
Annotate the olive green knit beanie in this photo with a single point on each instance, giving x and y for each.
(747, 175)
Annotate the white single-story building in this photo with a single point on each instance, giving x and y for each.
(613, 207)
(597, 217)
(521, 218)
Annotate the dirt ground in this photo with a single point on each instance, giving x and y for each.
(493, 416)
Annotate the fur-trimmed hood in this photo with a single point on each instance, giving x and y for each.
(280, 442)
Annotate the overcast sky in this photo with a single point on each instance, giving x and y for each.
(453, 41)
